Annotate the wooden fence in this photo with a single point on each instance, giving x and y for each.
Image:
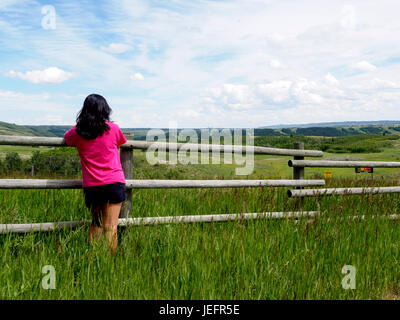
(301, 164)
(126, 156)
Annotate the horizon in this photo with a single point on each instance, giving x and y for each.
(227, 64)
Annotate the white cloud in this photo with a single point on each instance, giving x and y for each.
(300, 90)
(305, 91)
(331, 80)
(375, 84)
(49, 75)
(36, 108)
(50, 119)
(19, 96)
(330, 99)
(379, 84)
(233, 96)
(190, 113)
(275, 91)
(141, 119)
(10, 94)
(364, 66)
(276, 38)
(116, 48)
(137, 76)
(272, 94)
(276, 64)
(348, 18)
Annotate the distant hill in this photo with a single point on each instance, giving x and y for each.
(15, 130)
(52, 130)
(333, 124)
(332, 129)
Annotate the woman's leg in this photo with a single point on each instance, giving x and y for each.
(110, 224)
(96, 229)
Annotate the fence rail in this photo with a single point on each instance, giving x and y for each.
(341, 191)
(342, 164)
(167, 146)
(52, 226)
(156, 184)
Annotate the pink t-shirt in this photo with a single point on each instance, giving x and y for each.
(100, 160)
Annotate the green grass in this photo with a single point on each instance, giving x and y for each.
(237, 260)
(262, 259)
(25, 152)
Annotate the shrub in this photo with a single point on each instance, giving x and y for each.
(347, 144)
(59, 161)
(12, 162)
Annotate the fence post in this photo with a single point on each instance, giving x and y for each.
(298, 172)
(126, 156)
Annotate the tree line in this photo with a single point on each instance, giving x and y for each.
(60, 161)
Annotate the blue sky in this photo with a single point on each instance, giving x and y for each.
(201, 63)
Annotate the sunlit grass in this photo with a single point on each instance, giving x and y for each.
(262, 259)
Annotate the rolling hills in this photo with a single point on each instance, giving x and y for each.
(333, 129)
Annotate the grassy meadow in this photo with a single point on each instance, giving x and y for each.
(260, 259)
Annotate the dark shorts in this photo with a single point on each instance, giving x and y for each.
(99, 195)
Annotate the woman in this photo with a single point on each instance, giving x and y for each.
(97, 140)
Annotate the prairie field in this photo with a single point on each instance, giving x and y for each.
(258, 259)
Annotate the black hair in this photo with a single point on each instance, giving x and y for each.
(91, 120)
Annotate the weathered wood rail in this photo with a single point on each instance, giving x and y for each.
(158, 184)
(52, 226)
(341, 164)
(341, 191)
(167, 146)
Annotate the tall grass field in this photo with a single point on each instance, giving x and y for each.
(257, 259)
